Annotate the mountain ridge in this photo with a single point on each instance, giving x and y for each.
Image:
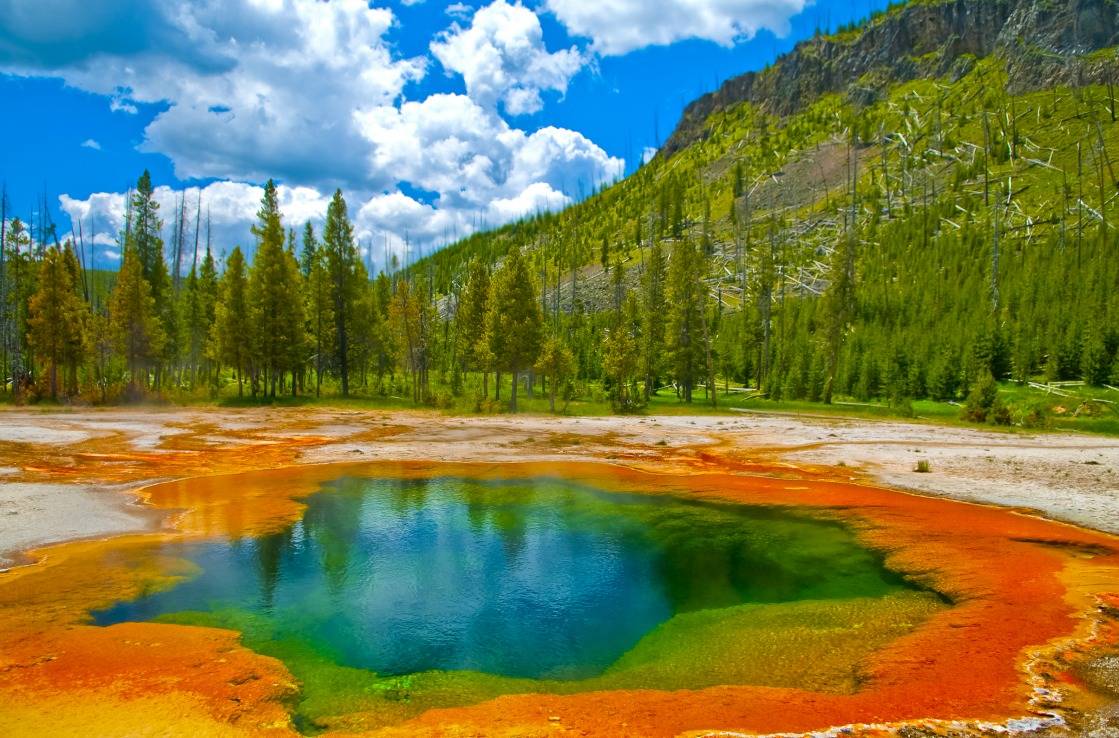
(1045, 44)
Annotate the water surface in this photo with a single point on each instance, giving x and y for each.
(539, 578)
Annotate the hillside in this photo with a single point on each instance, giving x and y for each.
(896, 208)
(1043, 43)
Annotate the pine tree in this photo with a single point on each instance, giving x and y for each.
(199, 300)
(1095, 368)
(653, 318)
(20, 279)
(310, 250)
(621, 356)
(470, 325)
(232, 328)
(687, 299)
(56, 319)
(368, 328)
(342, 262)
(515, 323)
(207, 297)
(320, 305)
(193, 326)
(144, 234)
(144, 238)
(839, 307)
(136, 328)
(386, 347)
(411, 316)
(296, 317)
(276, 313)
(557, 364)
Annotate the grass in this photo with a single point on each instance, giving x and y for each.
(1084, 409)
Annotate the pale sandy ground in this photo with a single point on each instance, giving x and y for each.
(64, 475)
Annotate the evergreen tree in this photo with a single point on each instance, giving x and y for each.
(411, 316)
(473, 308)
(320, 305)
(369, 330)
(621, 356)
(144, 237)
(134, 323)
(386, 347)
(653, 318)
(20, 275)
(515, 323)
(341, 263)
(310, 250)
(56, 320)
(1095, 367)
(232, 328)
(296, 315)
(839, 307)
(207, 297)
(557, 364)
(687, 300)
(276, 316)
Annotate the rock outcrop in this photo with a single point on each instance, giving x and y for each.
(1045, 42)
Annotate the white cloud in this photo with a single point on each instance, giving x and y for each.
(617, 27)
(462, 11)
(536, 198)
(90, 143)
(469, 156)
(311, 93)
(407, 224)
(502, 58)
(477, 172)
(255, 88)
(392, 217)
(647, 154)
(230, 206)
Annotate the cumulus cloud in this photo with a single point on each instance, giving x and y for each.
(471, 168)
(312, 93)
(255, 88)
(389, 222)
(617, 27)
(230, 207)
(469, 155)
(90, 143)
(502, 58)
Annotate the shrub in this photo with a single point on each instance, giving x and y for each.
(1032, 415)
(983, 400)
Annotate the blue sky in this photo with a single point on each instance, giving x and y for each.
(435, 118)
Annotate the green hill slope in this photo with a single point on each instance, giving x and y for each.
(891, 212)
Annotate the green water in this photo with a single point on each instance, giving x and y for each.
(400, 594)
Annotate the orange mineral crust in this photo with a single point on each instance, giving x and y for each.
(1024, 591)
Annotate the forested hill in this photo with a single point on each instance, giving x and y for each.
(894, 211)
(914, 209)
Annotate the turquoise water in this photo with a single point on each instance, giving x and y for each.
(537, 578)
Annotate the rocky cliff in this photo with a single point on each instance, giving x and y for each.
(1045, 42)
